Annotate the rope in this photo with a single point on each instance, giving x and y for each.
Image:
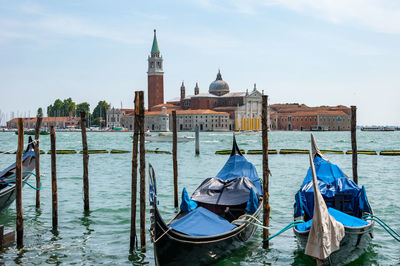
(166, 231)
(387, 228)
(25, 182)
(290, 225)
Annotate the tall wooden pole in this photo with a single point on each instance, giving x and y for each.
(132, 242)
(266, 207)
(354, 142)
(175, 157)
(142, 174)
(197, 139)
(53, 179)
(37, 159)
(18, 185)
(86, 206)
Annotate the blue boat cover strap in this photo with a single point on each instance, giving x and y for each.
(238, 166)
(202, 222)
(224, 192)
(187, 204)
(345, 219)
(252, 203)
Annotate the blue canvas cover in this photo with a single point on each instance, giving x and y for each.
(252, 203)
(187, 204)
(331, 181)
(238, 166)
(202, 222)
(345, 219)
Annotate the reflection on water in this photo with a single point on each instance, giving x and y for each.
(102, 235)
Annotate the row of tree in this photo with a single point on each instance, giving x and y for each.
(68, 107)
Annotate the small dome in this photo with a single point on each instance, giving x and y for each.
(218, 87)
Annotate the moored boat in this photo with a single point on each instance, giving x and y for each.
(346, 202)
(7, 176)
(214, 221)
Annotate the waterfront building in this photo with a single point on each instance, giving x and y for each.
(114, 116)
(59, 122)
(301, 117)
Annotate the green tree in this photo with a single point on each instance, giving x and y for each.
(85, 107)
(99, 113)
(39, 112)
(61, 108)
(68, 107)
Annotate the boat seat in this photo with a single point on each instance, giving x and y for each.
(339, 202)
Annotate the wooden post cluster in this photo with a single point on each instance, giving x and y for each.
(54, 199)
(18, 185)
(85, 155)
(132, 242)
(142, 173)
(266, 207)
(37, 159)
(174, 157)
(197, 139)
(354, 142)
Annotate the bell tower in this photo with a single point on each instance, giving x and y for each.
(155, 76)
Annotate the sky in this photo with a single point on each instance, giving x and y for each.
(316, 52)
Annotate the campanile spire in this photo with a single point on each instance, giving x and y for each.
(155, 76)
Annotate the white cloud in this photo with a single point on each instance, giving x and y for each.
(377, 15)
(34, 20)
(380, 16)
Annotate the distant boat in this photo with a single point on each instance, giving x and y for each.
(346, 202)
(7, 176)
(32, 132)
(165, 138)
(216, 219)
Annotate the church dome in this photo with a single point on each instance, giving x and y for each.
(218, 86)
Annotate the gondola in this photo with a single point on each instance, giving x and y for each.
(7, 176)
(346, 202)
(214, 221)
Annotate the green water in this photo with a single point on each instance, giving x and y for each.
(102, 237)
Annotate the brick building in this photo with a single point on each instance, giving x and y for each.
(302, 117)
(59, 122)
(155, 76)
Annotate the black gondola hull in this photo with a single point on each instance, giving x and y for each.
(173, 248)
(354, 243)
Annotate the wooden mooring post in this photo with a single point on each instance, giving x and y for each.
(266, 207)
(6, 239)
(37, 159)
(18, 185)
(54, 199)
(85, 156)
(197, 139)
(354, 142)
(142, 173)
(174, 157)
(132, 242)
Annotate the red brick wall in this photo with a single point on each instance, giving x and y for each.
(155, 85)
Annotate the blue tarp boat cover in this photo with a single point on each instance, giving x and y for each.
(202, 222)
(187, 204)
(238, 166)
(252, 203)
(345, 219)
(332, 182)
